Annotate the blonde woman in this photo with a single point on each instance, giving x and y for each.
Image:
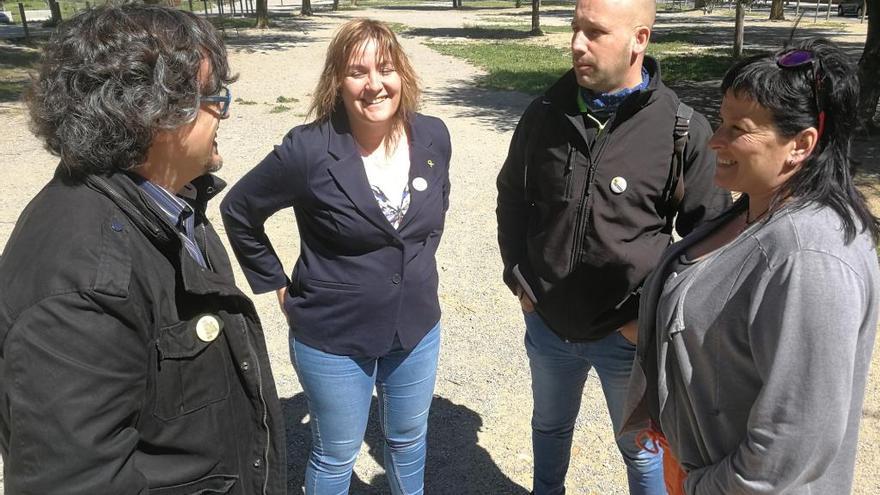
(368, 181)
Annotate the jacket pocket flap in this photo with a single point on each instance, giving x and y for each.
(180, 341)
(217, 483)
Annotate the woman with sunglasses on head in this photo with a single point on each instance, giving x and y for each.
(368, 182)
(757, 329)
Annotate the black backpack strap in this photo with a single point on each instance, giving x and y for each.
(675, 189)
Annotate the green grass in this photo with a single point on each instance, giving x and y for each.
(489, 4)
(398, 27)
(240, 101)
(12, 90)
(524, 27)
(198, 6)
(500, 31)
(347, 4)
(532, 68)
(28, 5)
(402, 4)
(691, 65)
(284, 99)
(280, 109)
(228, 22)
(512, 66)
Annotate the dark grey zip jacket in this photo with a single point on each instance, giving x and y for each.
(584, 246)
(105, 385)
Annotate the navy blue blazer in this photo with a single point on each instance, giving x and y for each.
(358, 282)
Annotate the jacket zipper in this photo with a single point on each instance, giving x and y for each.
(581, 222)
(569, 172)
(204, 232)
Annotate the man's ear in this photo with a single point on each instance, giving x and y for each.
(641, 36)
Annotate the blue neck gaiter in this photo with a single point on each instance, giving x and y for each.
(602, 105)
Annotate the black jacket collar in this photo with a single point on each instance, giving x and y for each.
(121, 190)
(563, 93)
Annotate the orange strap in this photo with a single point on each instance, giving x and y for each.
(673, 474)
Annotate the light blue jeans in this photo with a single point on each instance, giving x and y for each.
(339, 390)
(559, 371)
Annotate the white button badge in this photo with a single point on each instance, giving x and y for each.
(419, 184)
(618, 185)
(208, 328)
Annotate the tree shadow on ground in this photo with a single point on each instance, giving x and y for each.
(16, 60)
(759, 34)
(475, 33)
(563, 13)
(286, 31)
(498, 109)
(433, 8)
(455, 463)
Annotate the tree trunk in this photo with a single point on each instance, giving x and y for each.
(739, 29)
(700, 5)
(335, 4)
(262, 14)
(869, 68)
(518, 3)
(536, 19)
(777, 10)
(306, 7)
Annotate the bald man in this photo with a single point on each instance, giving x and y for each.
(586, 202)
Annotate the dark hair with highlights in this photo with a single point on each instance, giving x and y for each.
(350, 38)
(826, 177)
(112, 76)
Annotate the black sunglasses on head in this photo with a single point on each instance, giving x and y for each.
(795, 59)
(223, 96)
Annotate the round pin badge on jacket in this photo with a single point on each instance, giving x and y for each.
(208, 328)
(618, 185)
(419, 184)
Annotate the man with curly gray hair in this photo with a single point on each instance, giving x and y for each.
(129, 360)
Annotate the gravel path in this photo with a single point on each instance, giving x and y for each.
(479, 430)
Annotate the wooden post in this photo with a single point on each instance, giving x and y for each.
(56, 10)
(190, 5)
(738, 37)
(27, 33)
(205, 2)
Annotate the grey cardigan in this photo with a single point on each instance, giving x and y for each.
(759, 353)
